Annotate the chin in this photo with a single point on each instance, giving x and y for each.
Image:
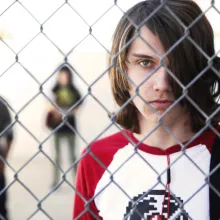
(154, 118)
(148, 113)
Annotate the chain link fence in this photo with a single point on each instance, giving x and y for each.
(64, 56)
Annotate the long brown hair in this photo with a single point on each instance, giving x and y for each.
(189, 57)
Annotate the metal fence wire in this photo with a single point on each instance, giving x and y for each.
(185, 88)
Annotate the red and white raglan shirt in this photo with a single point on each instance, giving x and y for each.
(117, 181)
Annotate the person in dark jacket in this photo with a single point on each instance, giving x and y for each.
(67, 100)
(6, 138)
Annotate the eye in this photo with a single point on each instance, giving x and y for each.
(146, 63)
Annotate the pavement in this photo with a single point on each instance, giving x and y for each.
(34, 184)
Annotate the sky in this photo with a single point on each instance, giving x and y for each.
(65, 27)
(71, 22)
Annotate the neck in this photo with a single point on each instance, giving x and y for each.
(161, 137)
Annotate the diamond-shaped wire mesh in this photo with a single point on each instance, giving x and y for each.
(38, 39)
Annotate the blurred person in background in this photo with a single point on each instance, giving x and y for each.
(6, 137)
(66, 96)
(165, 161)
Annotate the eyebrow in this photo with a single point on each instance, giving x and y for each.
(139, 55)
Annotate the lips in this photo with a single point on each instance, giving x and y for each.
(160, 103)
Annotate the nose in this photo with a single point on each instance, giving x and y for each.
(160, 81)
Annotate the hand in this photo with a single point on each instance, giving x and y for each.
(57, 116)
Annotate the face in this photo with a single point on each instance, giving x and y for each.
(143, 63)
(63, 78)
